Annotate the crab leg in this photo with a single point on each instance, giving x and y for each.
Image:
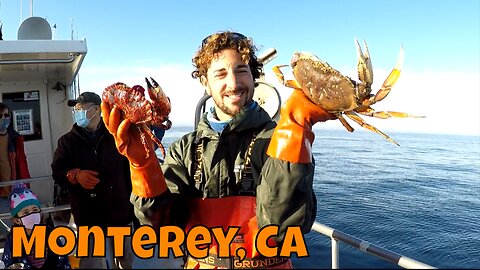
(388, 83)
(352, 115)
(368, 111)
(142, 129)
(344, 122)
(388, 114)
(288, 83)
(145, 130)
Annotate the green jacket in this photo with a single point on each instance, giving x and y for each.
(283, 190)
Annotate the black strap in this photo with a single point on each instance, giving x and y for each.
(246, 176)
(197, 162)
(245, 170)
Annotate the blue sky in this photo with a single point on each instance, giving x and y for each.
(128, 40)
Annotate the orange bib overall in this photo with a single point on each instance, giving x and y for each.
(238, 211)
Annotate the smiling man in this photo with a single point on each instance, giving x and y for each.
(229, 82)
(238, 169)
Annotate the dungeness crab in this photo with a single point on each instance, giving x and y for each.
(339, 94)
(140, 111)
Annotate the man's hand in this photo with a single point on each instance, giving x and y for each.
(303, 111)
(87, 179)
(293, 137)
(127, 138)
(145, 172)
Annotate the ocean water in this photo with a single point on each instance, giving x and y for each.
(420, 200)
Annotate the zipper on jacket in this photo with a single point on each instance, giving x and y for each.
(98, 143)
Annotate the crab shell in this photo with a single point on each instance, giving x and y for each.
(140, 111)
(136, 107)
(326, 86)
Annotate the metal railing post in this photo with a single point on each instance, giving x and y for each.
(366, 247)
(335, 254)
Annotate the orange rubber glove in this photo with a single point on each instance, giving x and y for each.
(293, 137)
(87, 179)
(147, 176)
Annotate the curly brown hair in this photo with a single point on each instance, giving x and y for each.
(220, 41)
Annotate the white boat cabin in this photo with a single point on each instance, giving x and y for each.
(37, 77)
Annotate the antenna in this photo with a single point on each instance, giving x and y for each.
(71, 28)
(1, 24)
(31, 8)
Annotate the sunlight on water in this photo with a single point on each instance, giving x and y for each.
(419, 200)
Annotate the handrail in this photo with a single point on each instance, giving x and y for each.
(364, 246)
(26, 180)
(47, 209)
(200, 109)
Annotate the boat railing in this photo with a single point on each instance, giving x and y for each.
(46, 209)
(337, 236)
(26, 180)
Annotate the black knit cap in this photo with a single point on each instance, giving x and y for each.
(85, 97)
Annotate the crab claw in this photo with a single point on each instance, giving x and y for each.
(154, 89)
(151, 85)
(155, 84)
(364, 66)
(160, 102)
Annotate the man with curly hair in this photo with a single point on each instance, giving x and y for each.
(238, 168)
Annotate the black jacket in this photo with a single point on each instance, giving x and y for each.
(284, 191)
(108, 204)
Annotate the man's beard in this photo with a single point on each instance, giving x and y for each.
(226, 110)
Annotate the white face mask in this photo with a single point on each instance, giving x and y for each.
(30, 220)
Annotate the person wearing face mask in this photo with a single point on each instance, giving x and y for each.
(25, 210)
(87, 163)
(13, 161)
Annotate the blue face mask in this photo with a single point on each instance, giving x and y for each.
(81, 118)
(4, 122)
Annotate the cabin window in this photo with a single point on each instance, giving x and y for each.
(25, 113)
